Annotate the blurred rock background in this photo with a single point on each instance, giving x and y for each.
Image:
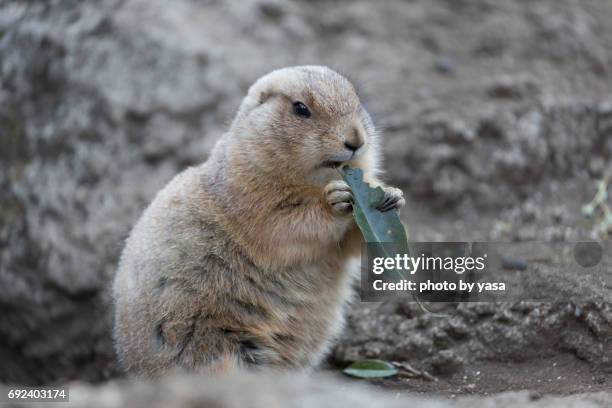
(497, 122)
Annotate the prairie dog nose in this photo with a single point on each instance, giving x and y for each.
(354, 140)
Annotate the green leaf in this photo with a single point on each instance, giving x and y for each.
(602, 191)
(588, 209)
(370, 369)
(376, 226)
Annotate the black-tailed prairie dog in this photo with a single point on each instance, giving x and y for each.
(244, 260)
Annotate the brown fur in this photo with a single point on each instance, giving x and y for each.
(244, 260)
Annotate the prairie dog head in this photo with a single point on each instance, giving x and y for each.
(304, 120)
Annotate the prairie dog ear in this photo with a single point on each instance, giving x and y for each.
(263, 97)
(254, 98)
(264, 88)
(258, 94)
(257, 98)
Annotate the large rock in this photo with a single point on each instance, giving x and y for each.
(102, 102)
(517, 332)
(495, 159)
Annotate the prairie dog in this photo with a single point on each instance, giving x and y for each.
(244, 260)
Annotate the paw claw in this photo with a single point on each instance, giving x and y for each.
(339, 195)
(342, 208)
(394, 198)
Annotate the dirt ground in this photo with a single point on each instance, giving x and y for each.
(563, 374)
(496, 120)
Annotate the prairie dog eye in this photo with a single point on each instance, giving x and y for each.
(301, 110)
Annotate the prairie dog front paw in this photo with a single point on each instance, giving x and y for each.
(339, 196)
(394, 198)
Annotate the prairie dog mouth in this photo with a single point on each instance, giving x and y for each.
(332, 164)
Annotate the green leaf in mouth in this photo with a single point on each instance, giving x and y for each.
(375, 225)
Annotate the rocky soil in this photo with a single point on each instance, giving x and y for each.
(497, 122)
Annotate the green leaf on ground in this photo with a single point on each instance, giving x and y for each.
(370, 369)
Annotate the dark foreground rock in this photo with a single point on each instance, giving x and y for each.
(264, 391)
